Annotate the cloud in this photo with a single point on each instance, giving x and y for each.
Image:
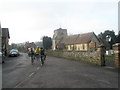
(30, 20)
(70, 0)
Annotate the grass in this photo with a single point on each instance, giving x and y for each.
(109, 58)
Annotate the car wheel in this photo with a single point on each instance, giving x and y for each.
(3, 61)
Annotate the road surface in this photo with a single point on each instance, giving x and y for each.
(56, 73)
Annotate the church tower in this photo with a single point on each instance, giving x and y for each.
(59, 34)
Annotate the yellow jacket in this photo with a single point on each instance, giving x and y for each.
(37, 50)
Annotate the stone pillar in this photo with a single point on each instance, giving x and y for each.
(53, 45)
(101, 55)
(102, 52)
(116, 48)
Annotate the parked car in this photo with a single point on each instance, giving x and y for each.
(14, 52)
(0, 57)
(2, 60)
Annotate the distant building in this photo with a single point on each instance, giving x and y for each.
(5, 39)
(29, 45)
(78, 42)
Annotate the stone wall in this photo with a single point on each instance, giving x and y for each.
(91, 57)
(116, 48)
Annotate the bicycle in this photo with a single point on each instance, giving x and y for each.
(37, 56)
(43, 57)
(32, 59)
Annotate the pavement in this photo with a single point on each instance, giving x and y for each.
(56, 73)
(0, 72)
(0, 76)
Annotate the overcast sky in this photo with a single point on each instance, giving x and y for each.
(29, 20)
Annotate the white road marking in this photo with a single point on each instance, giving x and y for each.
(20, 83)
(26, 78)
(110, 67)
(103, 81)
(31, 74)
(38, 68)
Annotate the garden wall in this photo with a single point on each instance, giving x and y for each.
(91, 57)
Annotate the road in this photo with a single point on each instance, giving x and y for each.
(56, 73)
(0, 75)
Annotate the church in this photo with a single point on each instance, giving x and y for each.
(78, 42)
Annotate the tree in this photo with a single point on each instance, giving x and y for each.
(40, 44)
(47, 42)
(13, 46)
(118, 37)
(108, 38)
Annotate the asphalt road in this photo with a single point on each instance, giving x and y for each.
(56, 73)
(0, 76)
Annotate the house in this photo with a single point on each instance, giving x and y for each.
(69, 41)
(81, 42)
(86, 42)
(78, 42)
(29, 45)
(5, 39)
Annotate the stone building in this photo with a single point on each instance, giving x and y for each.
(78, 42)
(81, 42)
(59, 34)
(30, 45)
(5, 39)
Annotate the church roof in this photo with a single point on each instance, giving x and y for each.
(84, 38)
(69, 39)
(78, 38)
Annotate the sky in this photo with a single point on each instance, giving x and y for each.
(30, 20)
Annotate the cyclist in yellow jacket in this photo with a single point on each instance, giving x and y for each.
(37, 53)
(37, 50)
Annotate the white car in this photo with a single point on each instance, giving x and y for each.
(0, 54)
(0, 57)
(14, 52)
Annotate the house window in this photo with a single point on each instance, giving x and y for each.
(78, 47)
(83, 46)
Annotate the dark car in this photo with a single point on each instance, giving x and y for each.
(14, 52)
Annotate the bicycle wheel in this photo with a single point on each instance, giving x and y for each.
(32, 60)
(42, 59)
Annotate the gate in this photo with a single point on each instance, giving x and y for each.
(109, 59)
(113, 59)
(105, 60)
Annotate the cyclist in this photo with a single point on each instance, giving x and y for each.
(43, 56)
(32, 55)
(37, 53)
